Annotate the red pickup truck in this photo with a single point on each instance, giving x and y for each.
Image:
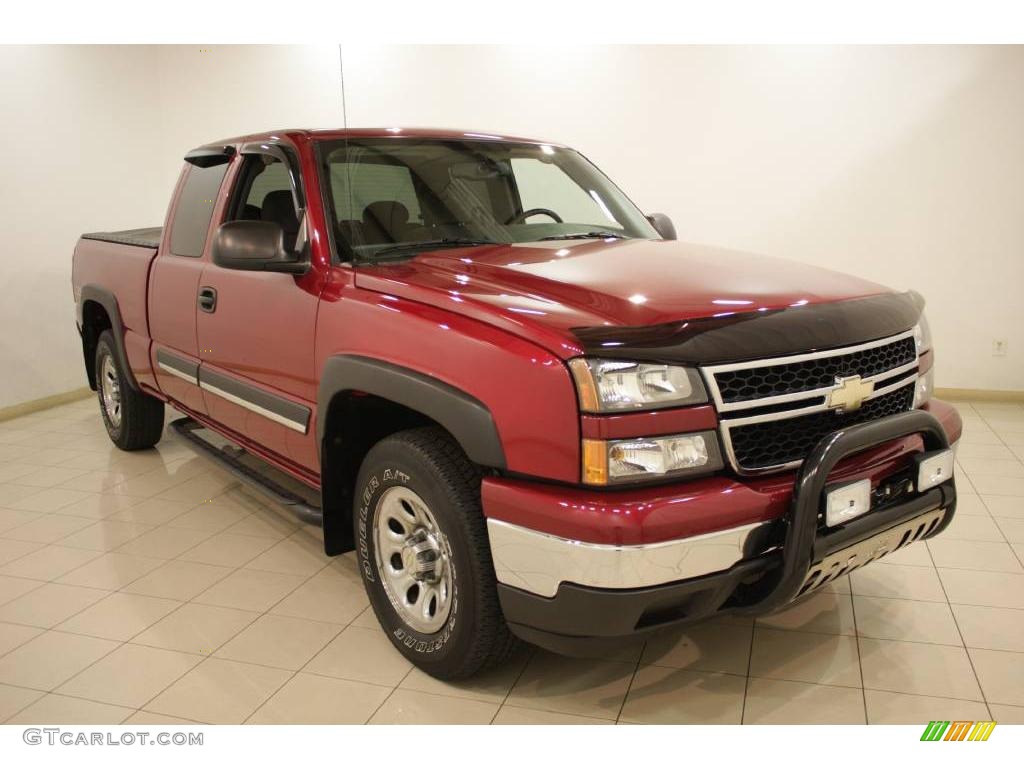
(527, 408)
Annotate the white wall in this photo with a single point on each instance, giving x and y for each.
(94, 138)
(214, 93)
(903, 165)
(899, 164)
(77, 132)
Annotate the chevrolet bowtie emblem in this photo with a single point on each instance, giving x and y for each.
(849, 393)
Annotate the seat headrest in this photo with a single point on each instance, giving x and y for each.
(278, 206)
(389, 215)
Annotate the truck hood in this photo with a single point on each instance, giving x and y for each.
(553, 289)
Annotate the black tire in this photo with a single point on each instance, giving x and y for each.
(431, 464)
(141, 417)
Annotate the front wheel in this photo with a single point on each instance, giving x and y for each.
(424, 554)
(134, 420)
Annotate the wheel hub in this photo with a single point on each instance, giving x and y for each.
(110, 389)
(413, 559)
(422, 557)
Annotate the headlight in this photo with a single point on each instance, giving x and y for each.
(621, 385)
(922, 335)
(616, 461)
(926, 382)
(925, 387)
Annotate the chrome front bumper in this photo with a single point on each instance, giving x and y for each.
(567, 595)
(539, 562)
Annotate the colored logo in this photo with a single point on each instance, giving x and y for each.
(958, 730)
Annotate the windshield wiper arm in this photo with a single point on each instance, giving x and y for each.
(425, 245)
(586, 236)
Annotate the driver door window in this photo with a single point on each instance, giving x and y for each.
(265, 194)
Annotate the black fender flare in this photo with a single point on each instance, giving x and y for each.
(468, 420)
(108, 301)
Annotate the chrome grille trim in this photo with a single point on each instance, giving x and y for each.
(742, 405)
(726, 425)
(727, 422)
(823, 406)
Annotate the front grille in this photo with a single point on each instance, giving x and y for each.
(773, 411)
(773, 380)
(772, 443)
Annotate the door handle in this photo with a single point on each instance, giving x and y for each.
(207, 299)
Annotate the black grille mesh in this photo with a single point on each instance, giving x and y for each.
(771, 443)
(773, 380)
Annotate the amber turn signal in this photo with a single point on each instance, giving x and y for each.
(595, 462)
(584, 385)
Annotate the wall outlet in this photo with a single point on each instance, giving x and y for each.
(999, 347)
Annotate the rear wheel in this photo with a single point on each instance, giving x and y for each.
(134, 420)
(424, 554)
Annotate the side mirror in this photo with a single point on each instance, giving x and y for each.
(664, 226)
(256, 246)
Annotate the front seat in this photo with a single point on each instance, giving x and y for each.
(386, 221)
(278, 206)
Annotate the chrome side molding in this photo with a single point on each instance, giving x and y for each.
(270, 406)
(183, 369)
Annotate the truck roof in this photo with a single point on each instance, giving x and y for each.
(390, 132)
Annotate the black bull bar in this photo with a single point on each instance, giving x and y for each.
(803, 542)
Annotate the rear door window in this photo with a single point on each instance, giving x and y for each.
(195, 209)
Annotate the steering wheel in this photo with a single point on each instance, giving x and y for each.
(520, 218)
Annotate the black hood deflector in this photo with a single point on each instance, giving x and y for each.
(756, 335)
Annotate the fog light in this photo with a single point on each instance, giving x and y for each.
(934, 469)
(846, 502)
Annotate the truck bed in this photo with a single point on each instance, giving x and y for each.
(115, 265)
(146, 237)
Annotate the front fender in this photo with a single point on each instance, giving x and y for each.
(468, 420)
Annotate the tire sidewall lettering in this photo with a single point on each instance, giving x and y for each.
(375, 485)
(365, 562)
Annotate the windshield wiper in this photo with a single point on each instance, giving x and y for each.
(425, 245)
(586, 236)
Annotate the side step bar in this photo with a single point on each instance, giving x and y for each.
(230, 461)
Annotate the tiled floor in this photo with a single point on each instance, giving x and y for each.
(150, 588)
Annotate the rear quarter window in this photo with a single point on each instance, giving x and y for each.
(195, 209)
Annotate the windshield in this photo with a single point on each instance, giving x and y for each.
(402, 196)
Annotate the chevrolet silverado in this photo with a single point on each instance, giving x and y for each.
(527, 408)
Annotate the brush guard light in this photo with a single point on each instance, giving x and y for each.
(847, 502)
(934, 468)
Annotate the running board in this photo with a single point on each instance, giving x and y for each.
(229, 458)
